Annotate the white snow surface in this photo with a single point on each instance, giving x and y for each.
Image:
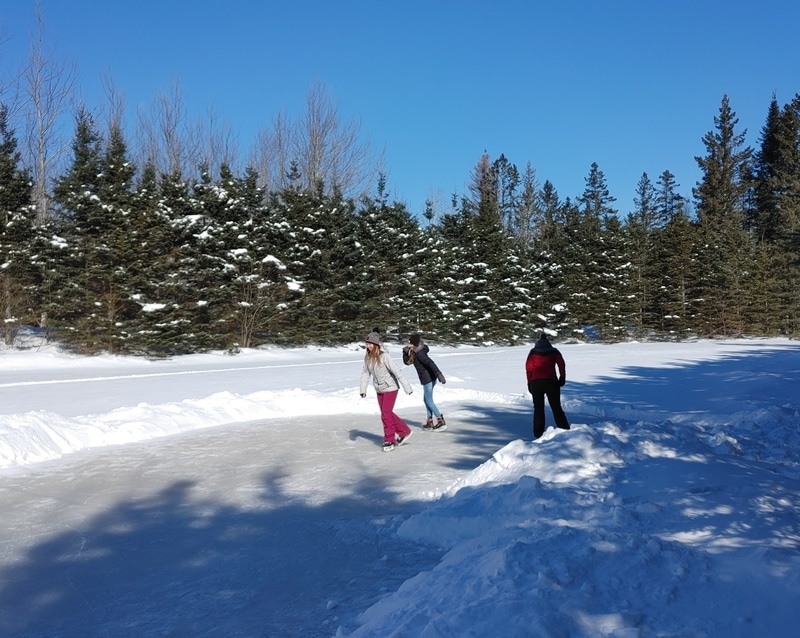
(247, 495)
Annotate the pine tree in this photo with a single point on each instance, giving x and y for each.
(765, 221)
(640, 226)
(528, 211)
(395, 287)
(721, 197)
(672, 264)
(675, 283)
(597, 258)
(86, 304)
(173, 318)
(668, 202)
(323, 258)
(17, 273)
(507, 180)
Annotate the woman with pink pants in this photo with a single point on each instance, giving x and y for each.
(387, 378)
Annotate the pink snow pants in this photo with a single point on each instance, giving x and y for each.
(392, 424)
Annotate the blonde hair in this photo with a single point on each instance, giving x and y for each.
(373, 356)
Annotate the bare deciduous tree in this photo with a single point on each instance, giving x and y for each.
(166, 138)
(327, 151)
(271, 154)
(176, 144)
(47, 89)
(218, 144)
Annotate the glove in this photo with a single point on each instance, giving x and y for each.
(562, 381)
(440, 376)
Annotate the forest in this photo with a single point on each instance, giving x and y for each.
(161, 239)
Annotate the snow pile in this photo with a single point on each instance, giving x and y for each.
(608, 530)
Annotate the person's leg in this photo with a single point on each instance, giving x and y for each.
(396, 426)
(386, 403)
(554, 399)
(430, 406)
(537, 390)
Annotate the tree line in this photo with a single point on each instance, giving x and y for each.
(166, 246)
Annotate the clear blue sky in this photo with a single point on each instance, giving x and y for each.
(631, 84)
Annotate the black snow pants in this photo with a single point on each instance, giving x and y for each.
(541, 388)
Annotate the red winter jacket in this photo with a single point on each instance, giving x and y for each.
(542, 362)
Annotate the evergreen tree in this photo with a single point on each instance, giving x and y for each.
(774, 222)
(507, 181)
(598, 281)
(395, 287)
(90, 301)
(668, 202)
(174, 316)
(579, 268)
(675, 283)
(640, 226)
(528, 212)
(765, 221)
(17, 273)
(323, 258)
(721, 197)
(550, 223)
(151, 243)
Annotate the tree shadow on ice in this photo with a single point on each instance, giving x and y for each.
(173, 564)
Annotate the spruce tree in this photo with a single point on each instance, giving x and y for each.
(323, 258)
(547, 262)
(174, 315)
(675, 252)
(88, 304)
(640, 226)
(17, 214)
(603, 282)
(395, 287)
(721, 197)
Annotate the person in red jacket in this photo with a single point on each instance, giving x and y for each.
(547, 373)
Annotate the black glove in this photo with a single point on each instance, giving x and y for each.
(562, 381)
(440, 376)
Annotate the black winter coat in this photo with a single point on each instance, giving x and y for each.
(426, 368)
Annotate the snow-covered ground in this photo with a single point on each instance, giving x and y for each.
(247, 495)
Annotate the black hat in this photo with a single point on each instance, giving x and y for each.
(415, 339)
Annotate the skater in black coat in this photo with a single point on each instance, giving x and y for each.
(416, 354)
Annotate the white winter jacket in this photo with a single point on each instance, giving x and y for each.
(386, 376)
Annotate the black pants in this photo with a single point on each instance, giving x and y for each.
(541, 388)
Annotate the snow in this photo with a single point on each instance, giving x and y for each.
(247, 495)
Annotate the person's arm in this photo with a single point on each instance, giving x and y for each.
(425, 359)
(365, 375)
(397, 373)
(562, 370)
(529, 367)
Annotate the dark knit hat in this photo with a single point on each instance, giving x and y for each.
(543, 344)
(374, 337)
(415, 339)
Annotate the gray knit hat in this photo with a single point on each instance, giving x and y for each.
(374, 337)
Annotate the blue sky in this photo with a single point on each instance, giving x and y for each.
(632, 85)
